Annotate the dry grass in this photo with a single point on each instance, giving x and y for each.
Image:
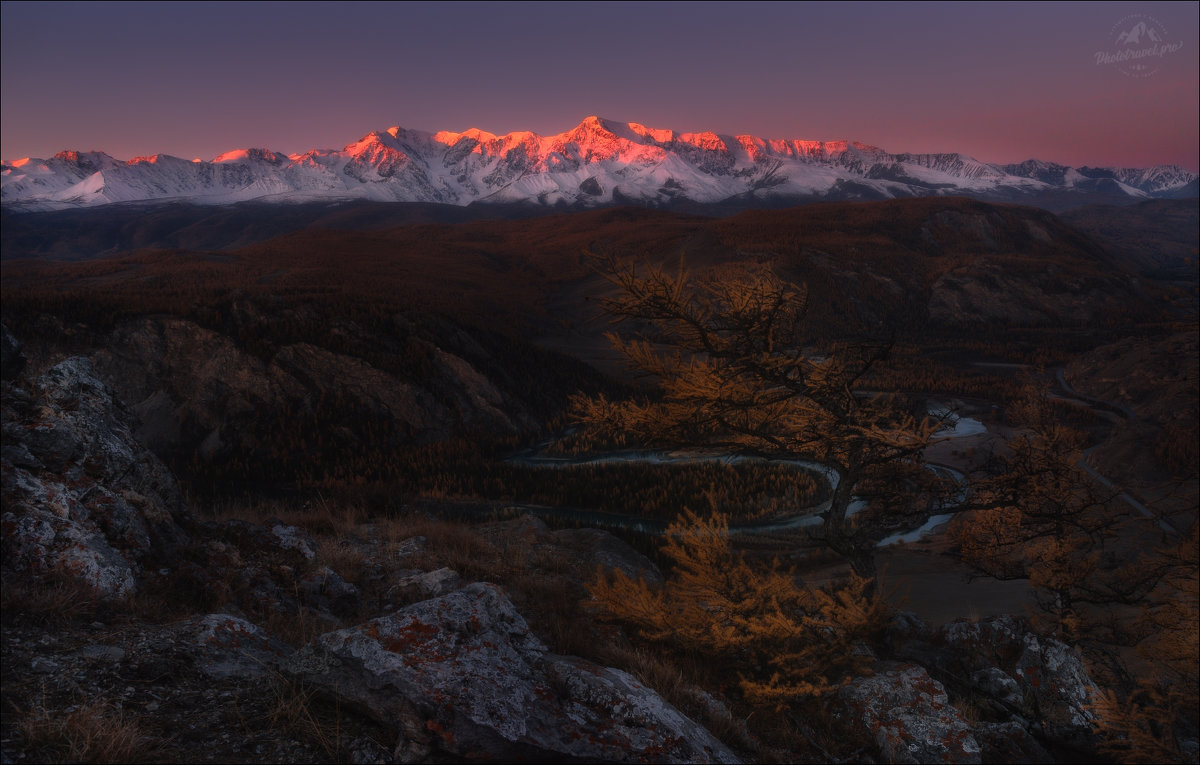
(248, 508)
(971, 707)
(296, 629)
(54, 601)
(345, 557)
(682, 681)
(456, 546)
(551, 605)
(301, 711)
(95, 732)
(317, 516)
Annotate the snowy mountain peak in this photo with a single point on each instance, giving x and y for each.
(595, 122)
(599, 161)
(251, 155)
(473, 134)
(597, 127)
(653, 134)
(71, 155)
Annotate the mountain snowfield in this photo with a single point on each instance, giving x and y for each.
(598, 162)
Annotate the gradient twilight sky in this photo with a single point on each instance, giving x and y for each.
(1000, 82)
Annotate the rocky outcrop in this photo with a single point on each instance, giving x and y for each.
(83, 499)
(1015, 676)
(1011, 741)
(598, 549)
(173, 371)
(255, 390)
(908, 716)
(462, 674)
(1055, 690)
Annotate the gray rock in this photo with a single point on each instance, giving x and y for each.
(908, 715)
(43, 542)
(292, 538)
(585, 549)
(20, 456)
(462, 674)
(909, 626)
(1009, 742)
(107, 653)
(226, 646)
(999, 685)
(1190, 749)
(428, 584)
(410, 546)
(1063, 692)
(325, 590)
(43, 666)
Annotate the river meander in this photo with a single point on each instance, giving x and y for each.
(955, 427)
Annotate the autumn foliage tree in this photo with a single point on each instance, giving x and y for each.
(1108, 578)
(787, 640)
(735, 372)
(1041, 518)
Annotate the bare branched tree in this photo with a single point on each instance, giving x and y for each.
(734, 372)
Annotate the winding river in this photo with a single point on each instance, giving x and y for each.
(956, 427)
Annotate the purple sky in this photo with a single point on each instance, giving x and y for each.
(1001, 83)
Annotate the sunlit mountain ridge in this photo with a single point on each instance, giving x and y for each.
(598, 162)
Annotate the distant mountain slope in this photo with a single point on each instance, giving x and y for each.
(91, 232)
(289, 348)
(906, 264)
(1157, 237)
(599, 162)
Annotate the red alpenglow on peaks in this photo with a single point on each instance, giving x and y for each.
(597, 162)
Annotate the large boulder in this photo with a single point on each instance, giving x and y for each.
(82, 497)
(461, 674)
(908, 716)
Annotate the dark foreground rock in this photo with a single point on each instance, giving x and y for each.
(83, 499)
(462, 673)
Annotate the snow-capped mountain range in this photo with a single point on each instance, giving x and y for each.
(598, 162)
